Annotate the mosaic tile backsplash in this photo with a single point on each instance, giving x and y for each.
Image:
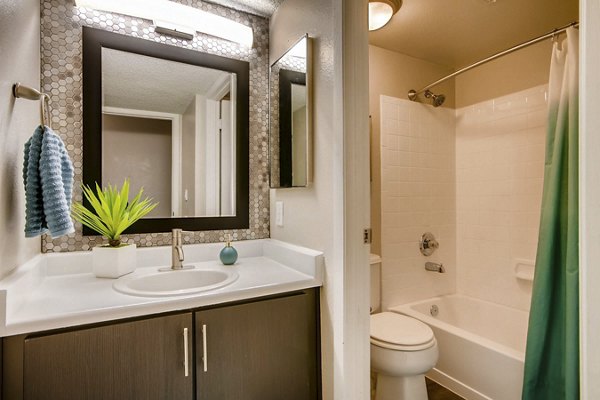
(61, 77)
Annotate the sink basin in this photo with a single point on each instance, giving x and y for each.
(174, 283)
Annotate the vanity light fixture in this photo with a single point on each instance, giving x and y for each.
(173, 18)
(168, 28)
(381, 11)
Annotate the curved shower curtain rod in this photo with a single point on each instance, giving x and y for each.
(412, 94)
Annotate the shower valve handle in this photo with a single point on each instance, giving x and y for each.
(428, 244)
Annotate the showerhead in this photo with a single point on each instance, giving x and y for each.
(437, 99)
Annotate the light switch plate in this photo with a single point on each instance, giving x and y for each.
(279, 213)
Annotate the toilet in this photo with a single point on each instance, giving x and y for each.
(403, 349)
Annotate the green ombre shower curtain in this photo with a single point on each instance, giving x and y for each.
(552, 354)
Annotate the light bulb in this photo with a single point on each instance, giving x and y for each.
(379, 15)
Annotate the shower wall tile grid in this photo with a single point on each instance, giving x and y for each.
(500, 148)
(61, 77)
(418, 196)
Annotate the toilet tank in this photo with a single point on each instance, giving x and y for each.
(375, 265)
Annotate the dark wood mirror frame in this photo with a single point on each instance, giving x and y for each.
(93, 42)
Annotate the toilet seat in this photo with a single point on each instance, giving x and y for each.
(400, 332)
(399, 347)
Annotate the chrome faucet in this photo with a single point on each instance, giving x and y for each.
(176, 253)
(176, 250)
(434, 267)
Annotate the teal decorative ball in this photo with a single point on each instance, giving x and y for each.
(228, 255)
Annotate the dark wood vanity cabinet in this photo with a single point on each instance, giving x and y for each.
(264, 349)
(132, 360)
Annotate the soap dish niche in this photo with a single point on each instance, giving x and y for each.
(524, 269)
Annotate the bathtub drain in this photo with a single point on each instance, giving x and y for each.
(434, 310)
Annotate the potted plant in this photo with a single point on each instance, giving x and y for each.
(112, 214)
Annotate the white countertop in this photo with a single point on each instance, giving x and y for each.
(59, 290)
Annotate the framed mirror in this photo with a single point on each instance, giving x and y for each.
(290, 117)
(172, 120)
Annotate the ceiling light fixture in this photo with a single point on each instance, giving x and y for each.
(381, 11)
(176, 17)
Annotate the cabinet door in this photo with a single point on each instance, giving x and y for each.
(133, 360)
(266, 350)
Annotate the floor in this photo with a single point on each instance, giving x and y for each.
(435, 391)
(438, 392)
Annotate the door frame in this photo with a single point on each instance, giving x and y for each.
(176, 137)
(589, 197)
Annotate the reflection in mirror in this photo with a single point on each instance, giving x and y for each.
(298, 112)
(177, 115)
(289, 117)
(170, 127)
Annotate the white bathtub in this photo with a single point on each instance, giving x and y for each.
(482, 345)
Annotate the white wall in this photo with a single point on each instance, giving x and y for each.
(316, 216)
(590, 198)
(20, 51)
(309, 211)
(500, 171)
(417, 196)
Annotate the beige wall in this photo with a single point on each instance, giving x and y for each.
(309, 211)
(394, 74)
(149, 166)
(20, 50)
(511, 73)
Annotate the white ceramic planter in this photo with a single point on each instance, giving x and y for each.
(113, 262)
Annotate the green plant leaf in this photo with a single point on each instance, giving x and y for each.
(111, 211)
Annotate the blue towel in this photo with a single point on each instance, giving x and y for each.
(48, 179)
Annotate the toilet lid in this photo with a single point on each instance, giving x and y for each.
(398, 329)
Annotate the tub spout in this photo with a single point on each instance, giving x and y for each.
(434, 267)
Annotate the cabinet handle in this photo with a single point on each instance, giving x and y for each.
(186, 368)
(204, 349)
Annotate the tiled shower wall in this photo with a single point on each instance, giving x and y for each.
(473, 178)
(418, 196)
(61, 25)
(500, 147)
